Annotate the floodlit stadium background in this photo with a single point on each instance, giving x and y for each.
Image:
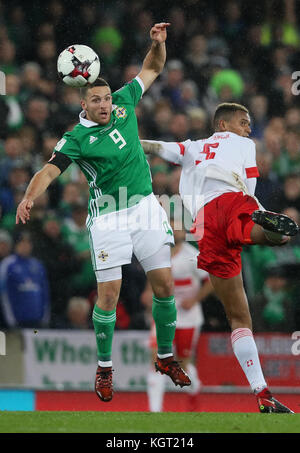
(216, 51)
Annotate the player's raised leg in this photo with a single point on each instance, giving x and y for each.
(104, 320)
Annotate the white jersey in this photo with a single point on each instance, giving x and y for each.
(224, 162)
(187, 282)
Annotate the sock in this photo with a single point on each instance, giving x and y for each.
(155, 390)
(245, 350)
(164, 314)
(104, 325)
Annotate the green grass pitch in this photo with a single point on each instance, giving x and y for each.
(145, 422)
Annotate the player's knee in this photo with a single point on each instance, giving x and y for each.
(165, 288)
(108, 299)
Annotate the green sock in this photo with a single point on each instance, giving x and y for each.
(164, 314)
(104, 325)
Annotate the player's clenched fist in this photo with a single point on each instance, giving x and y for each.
(23, 211)
(159, 32)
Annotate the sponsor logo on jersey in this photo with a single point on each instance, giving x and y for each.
(93, 139)
(103, 255)
(120, 112)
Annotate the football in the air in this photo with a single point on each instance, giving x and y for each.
(78, 65)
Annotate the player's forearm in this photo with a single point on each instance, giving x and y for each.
(156, 57)
(39, 183)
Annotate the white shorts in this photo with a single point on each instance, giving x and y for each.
(161, 259)
(142, 229)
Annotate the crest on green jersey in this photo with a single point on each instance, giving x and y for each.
(120, 112)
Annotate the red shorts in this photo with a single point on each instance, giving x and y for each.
(185, 340)
(226, 226)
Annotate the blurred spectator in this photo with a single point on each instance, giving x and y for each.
(47, 58)
(268, 185)
(75, 233)
(8, 63)
(6, 244)
(290, 194)
(232, 23)
(189, 95)
(179, 127)
(18, 179)
(162, 117)
(78, 314)
(130, 72)
(38, 116)
(32, 83)
(228, 85)
(14, 156)
(60, 261)
(258, 107)
(15, 114)
(216, 43)
(197, 60)
(177, 34)
(170, 88)
(71, 196)
(29, 141)
(24, 287)
(260, 259)
(280, 25)
(19, 31)
(199, 123)
(273, 308)
(107, 41)
(68, 109)
(292, 117)
(289, 160)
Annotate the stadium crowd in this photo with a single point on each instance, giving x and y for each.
(216, 52)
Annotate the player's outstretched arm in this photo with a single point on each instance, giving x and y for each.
(155, 59)
(170, 151)
(37, 186)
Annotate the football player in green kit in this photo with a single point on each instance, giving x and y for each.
(124, 216)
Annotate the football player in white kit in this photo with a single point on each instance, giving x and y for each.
(217, 187)
(191, 287)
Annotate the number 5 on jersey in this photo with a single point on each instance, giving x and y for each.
(117, 138)
(206, 150)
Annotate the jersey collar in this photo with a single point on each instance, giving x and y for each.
(85, 122)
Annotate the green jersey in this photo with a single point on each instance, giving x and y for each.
(111, 156)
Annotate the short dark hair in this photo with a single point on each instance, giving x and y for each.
(226, 110)
(98, 83)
